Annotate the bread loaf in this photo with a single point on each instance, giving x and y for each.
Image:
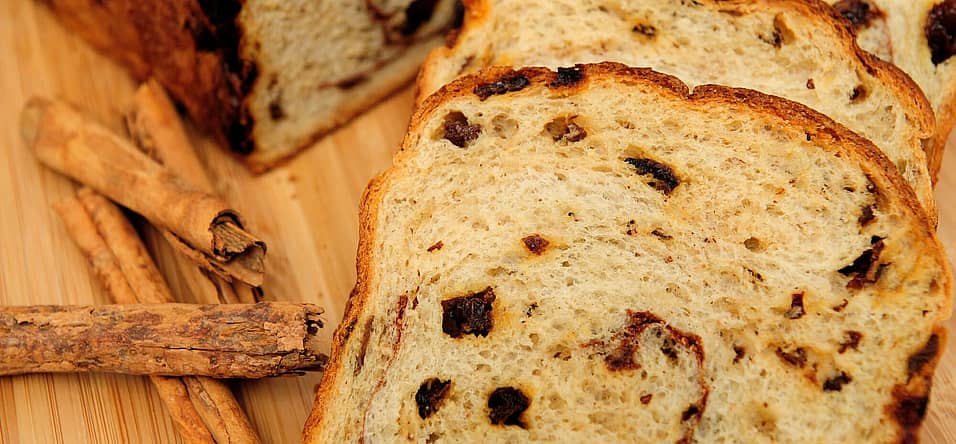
(266, 77)
(800, 50)
(598, 254)
(917, 36)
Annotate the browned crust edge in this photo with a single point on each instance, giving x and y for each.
(827, 134)
(478, 11)
(368, 217)
(918, 107)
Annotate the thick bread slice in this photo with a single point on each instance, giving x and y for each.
(898, 31)
(598, 255)
(797, 49)
(266, 77)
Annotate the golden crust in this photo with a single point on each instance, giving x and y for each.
(478, 11)
(827, 133)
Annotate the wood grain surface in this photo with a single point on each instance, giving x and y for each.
(306, 210)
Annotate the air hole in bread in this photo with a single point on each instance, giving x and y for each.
(796, 310)
(565, 129)
(458, 131)
(469, 314)
(858, 93)
(504, 126)
(941, 31)
(662, 177)
(850, 341)
(506, 404)
(430, 396)
(779, 35)
(753, 244)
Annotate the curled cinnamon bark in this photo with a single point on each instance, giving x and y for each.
(69, 143)
(220, 341)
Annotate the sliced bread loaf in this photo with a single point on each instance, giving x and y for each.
(797, 49)
(919, 36)
(599, 255)
(266, 77)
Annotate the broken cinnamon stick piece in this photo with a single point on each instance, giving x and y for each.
(220, 341)
(173, 393)
(74, 145)
(220, 411)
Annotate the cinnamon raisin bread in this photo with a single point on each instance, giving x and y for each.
(600, 255)
(266, 77)
(919, 36)
(797, 49)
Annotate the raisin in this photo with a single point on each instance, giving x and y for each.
(865, 268)
(430, 395)
(646, 30)
(506, 404)
(941, 31)
(796, 358)
(664, 178)
(469, 314)
(567, 77)
(417, 14)
(860, 13)
(458, 131)
(836, 383)
(646, 399)
(275, 111)
(867, 216)
(918, 360)
(739, 353)
(504, 85)
(691, 412)
(536, 244)
(852, 341)
(436, 246)
(796, 310)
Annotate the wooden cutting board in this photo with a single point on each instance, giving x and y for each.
(306, 211)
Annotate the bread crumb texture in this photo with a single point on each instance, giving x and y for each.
(673, 268)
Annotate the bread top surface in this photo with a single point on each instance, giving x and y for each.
(898, 31)
(800, 50)
(538, 227)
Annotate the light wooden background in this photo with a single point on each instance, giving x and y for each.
(306, 211)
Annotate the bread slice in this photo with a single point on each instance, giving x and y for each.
(917, 36)
(266, 77)
(797, 49)
(599, 255)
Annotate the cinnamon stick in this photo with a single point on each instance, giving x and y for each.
(157, 130)
(212, 234)
(220, 341)
(215, 402)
